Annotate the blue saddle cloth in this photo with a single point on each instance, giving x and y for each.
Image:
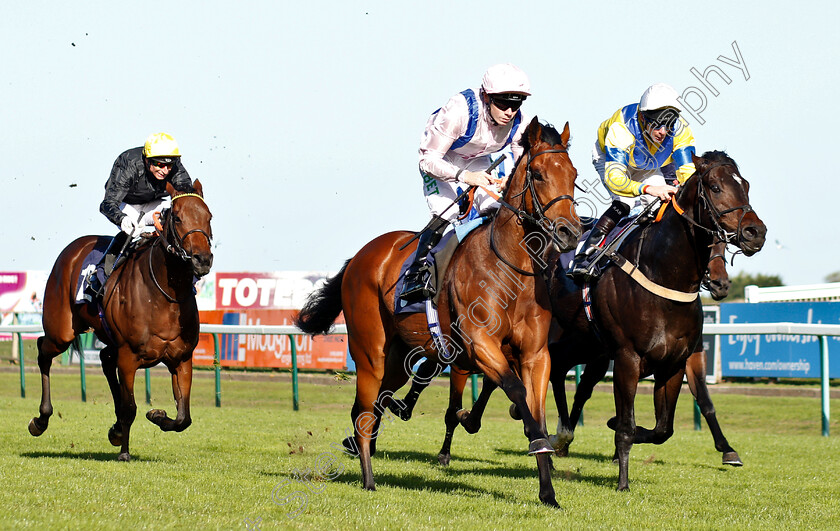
(89, 264)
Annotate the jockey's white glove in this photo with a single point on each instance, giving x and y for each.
(128, 225)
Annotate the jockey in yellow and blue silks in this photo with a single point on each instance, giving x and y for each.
(633, 147)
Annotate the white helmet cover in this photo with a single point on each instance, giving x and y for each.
(505, 77)
(659, 96)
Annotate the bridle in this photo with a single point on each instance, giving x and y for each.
(538, 217)
(166, 233)
(717, 231)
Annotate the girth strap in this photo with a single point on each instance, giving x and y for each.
(656, 289)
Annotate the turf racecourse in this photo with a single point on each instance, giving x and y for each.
(256, 464)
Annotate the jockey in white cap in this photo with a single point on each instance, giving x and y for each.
(455, 153)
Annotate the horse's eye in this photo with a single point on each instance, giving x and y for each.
(716, 188)
(175, 218)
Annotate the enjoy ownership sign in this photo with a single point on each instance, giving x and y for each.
(777, 355)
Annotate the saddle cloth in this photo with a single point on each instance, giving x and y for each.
(89, 264)
(439, 257)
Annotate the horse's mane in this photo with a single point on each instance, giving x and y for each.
(719, 157)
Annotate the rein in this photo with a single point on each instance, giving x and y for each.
(178, 248)
(538, 218)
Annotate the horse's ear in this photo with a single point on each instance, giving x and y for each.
(170, 189)
(564, 136)
(533, 132)
(699, 163)
(197, 188)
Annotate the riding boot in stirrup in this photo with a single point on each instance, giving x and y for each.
(580, 270)
(417, 285)
(95, 286)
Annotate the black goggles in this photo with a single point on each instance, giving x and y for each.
(507, 101)
(661, 118)
(162, 163)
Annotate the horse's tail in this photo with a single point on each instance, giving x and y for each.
(322, 307)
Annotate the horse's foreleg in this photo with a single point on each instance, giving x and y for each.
(535, 375)
(626, 379)
(128, 409)
(665, 395)
(695, 369)
(47, 350)
(181, 383)
(108, 357)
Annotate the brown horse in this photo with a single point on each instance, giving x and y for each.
(148, 314)
(652, 329)
(718, 283)
(493, 306)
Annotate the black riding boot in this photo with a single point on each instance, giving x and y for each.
(417, 286)
(107, 264)
(579, 269)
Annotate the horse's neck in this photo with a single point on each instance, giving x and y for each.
(171, 273)
(512, 240)
(672, 251)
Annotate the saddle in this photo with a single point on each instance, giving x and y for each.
(92, 260)
(439, 257)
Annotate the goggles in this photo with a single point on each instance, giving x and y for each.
(507, 101)
(162, 163)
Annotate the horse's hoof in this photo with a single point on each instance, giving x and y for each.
(462, 415)
(731, 458)
(398, 408)
(540, 446)
(114, 437)
(444, 459)
(514, 413)
(124, 457)
(156, 415)
(551, 502)
(34, 430)
(612, 423)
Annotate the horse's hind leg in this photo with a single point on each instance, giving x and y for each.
(47, 350)
(108, 357)
(471, 419)
(695, 369)
(425, 373)
(181, 384)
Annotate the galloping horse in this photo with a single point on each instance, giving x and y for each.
(648, 314)
(148, 315)
(493, 305)
(718, 283)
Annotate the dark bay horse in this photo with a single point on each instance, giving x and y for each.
(148, 314)
(493, 306)
(718, 283)
(652, 329)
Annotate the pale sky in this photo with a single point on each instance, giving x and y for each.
(302, 119)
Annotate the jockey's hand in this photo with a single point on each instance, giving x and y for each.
(663, 192)
(128, 225)
(477, 178)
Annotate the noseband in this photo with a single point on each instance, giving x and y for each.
(538, 218)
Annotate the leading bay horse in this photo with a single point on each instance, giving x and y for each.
(148, 314)
(493, 306)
